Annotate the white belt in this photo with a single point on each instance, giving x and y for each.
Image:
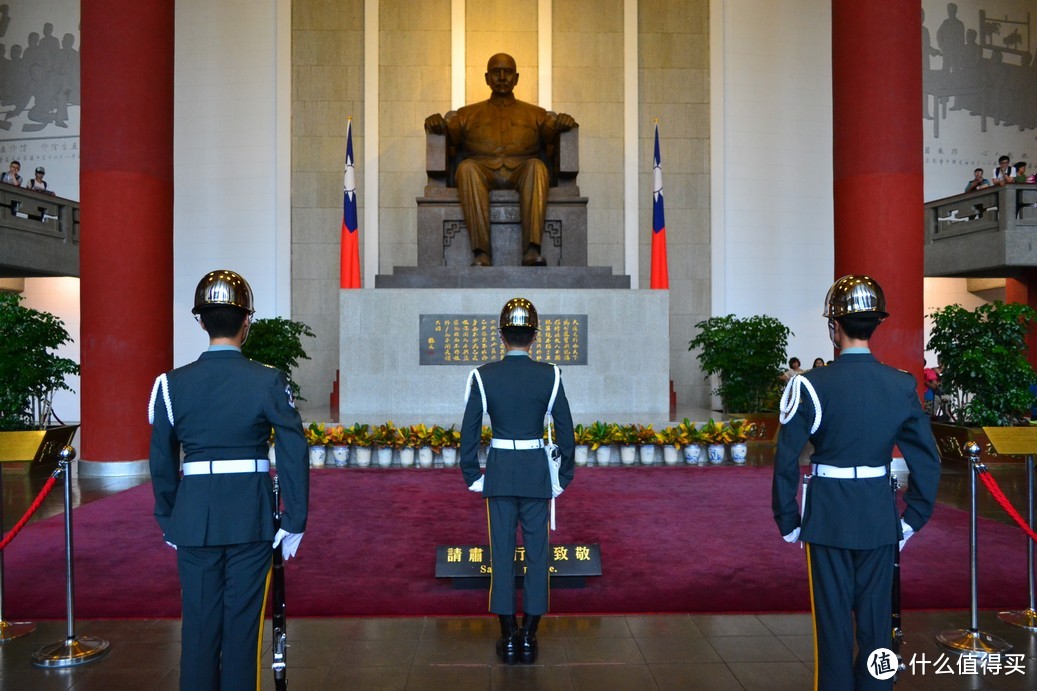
(517, 444)
(244, 465)
(860, 471)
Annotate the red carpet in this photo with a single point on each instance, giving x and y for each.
(672, 540)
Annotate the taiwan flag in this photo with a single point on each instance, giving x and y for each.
(660, 278)
(349, 273)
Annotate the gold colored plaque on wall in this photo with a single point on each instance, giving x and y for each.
(1021, 441)
(38, 445)
(473, 339)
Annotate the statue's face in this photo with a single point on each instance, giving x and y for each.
(501, 74)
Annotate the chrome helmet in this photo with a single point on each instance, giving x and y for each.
(223, 287)
(519, 312)
(854, 294)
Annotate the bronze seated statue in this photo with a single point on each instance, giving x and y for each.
(501, 161)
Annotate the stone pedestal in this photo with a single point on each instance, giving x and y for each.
(627, 347)
(514, 277)
(443, 236)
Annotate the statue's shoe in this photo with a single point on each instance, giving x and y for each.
(533, 258)
(481, 260)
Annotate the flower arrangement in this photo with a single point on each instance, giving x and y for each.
(316, 435)
(692, 434)
(716, 432)
(437, 438)
(594, 436)
(417, 435)
(602, 434)
(338, 436)
(388, 435)
(360, 435)
(450, 438)
(645, 435)
(741, 430)
(673, 436)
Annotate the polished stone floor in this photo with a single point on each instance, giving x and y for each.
(738, 651)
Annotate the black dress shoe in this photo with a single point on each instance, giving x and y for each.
(528, 648)
(508, 645)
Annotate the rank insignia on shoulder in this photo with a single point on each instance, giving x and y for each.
(291, 398)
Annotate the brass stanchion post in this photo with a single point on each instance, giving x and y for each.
(1027, 618)
(972, 641)
(74, 650)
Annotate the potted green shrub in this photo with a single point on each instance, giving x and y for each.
(985, 370)
(360, 436)
(387, 437)
(339, 441)
(450, 441)
(581, 437)
(717, 436)
(317, 439)
(627, 438)
(278, 342)
(30, 372)
(741, 431)
(693, 439)
(601, 436)
(648, 439)
(672, 439)
(420, 437)
(748, 357)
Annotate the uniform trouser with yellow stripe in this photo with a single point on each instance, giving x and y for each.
(848, 585)
(223, 589)
(505, 513)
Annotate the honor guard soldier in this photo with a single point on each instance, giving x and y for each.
(853, 413)
(518, 393)
(217, 510)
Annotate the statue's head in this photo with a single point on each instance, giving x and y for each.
(501, 74)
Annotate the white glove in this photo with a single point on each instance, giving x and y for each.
(289, 542)
(791, 537)
(477, 485)
(908, 532)
(556, 492)
(170, 544)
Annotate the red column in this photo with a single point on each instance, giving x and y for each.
(877, 147)
(126, 220)
(1024, 290)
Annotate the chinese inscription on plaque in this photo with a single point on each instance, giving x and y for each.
(466, 339)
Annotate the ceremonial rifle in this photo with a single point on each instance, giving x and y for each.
(280, 645)
(898, 632)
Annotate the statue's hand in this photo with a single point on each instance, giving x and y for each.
(435, 124)
(565, 122)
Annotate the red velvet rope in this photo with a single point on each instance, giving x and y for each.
(995, 491)
(47, 487)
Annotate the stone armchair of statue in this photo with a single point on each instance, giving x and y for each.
(443, 239)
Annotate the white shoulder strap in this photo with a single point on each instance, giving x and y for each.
(554, 390)
(474, 374)
(549, 419)
(791, 397)
(161, 383)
